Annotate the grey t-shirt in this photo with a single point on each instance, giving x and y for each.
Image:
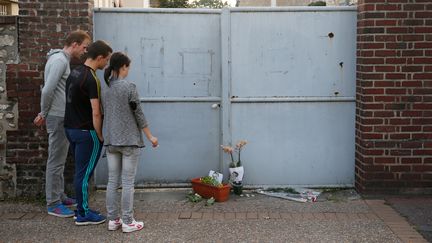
(123, 123)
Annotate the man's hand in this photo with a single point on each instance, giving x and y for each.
(39, 121)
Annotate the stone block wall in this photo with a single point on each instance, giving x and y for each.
(8, 107)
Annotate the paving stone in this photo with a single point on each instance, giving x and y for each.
(286, 215)
(230, 215)
(29, 215)
(263, 215)
(13, 215)
(331, 216)
(218, 216)
(185, 215)
(252, 215)
(319, 216)
(196, 215)
(207, 216)
(240, 215)
(274, 215)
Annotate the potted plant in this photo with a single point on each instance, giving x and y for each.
(208, 187)
(235, 167)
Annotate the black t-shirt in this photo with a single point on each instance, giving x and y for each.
(81, 86)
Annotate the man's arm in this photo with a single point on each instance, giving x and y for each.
(53, 75)
(97, 117)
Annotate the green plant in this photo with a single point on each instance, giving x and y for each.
(210, 181)
(194, 197)
(209, 4)
(318, 3)
(174, 4)
(230, 150)
(210, 201)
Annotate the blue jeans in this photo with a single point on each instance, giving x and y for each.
(86, 148)
(122, 167)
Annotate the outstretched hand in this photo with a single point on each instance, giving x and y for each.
(154, 141)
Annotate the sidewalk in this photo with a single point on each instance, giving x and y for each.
(417, 210)
(170, 217)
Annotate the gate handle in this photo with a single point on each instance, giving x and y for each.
(215, 106)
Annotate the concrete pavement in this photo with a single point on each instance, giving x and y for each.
(170, 217)
(417, 210)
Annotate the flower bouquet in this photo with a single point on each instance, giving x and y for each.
(235, 167)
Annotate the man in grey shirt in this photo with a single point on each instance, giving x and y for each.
(53, 102)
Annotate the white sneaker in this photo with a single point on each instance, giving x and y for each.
(134, 226)
(114, 224)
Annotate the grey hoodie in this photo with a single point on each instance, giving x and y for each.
(57, 69)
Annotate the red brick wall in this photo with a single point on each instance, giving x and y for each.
(43, 24)
(394, 96)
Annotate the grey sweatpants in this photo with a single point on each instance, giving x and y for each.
(58, 146)
(122, 166)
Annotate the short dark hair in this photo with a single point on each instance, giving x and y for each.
(98, 48)
(77, 36)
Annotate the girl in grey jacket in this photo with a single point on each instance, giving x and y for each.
(123, 122)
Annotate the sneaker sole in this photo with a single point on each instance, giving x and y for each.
(75, 217)
(60, 215)
(132, 230)
(114, 228)
(89, 223)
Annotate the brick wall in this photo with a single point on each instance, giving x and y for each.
(43, 24)
(394, 96)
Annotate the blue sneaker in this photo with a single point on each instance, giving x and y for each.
(90, 218)
(69, 202)
(60, 210)
(91, 210)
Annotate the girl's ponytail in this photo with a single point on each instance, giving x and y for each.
(117, 61)
(107, 74)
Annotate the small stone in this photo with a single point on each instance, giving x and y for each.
(9, 116)
(3, 53)
(7, 40)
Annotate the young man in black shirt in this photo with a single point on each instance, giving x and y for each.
(83, 125)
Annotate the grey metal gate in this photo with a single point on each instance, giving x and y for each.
(284, 79)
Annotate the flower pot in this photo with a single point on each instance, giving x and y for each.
(236, 174)
(220, 194)
(237, 188)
